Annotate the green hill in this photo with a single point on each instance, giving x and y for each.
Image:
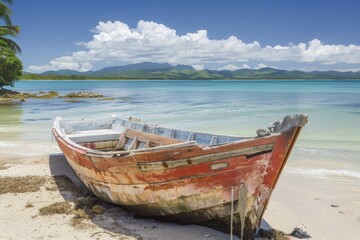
(149, 70)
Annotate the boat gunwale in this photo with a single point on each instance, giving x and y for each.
(92, 152)
(96, 153)
(114, 116)
(301, 121)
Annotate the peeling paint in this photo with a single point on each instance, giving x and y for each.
(242, 207)
(190, 184)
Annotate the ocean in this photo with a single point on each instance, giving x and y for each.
(329, 145)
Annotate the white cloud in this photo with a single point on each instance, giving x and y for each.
(66, 62)
(116, 42)
(198, 66)
(245, 66)
(347, 69)
(232, 67)
(261, 65)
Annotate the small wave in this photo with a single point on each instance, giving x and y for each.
(326, 154)
(36, 119)
(27, 149)
(324, 172)
(8, 144)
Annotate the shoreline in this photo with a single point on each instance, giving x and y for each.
(175, 80)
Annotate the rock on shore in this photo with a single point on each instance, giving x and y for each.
(83, 95)
(9, 97)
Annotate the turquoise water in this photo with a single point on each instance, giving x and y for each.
(229, 107)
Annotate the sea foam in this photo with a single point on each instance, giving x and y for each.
(27, 149)
(320, 172)
(8, 144)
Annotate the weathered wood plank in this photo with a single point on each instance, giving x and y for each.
(163, 165)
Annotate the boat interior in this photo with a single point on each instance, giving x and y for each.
(117, 134)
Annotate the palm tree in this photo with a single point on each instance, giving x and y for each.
(8, 30)
(5, 11)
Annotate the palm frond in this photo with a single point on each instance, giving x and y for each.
(5, 13)
(11, 44)
(9, 30)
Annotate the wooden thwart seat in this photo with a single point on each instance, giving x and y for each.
(94, 135)
(131, 140)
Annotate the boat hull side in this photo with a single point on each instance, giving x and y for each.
(193, 193)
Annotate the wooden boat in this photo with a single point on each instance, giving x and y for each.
(189, 177)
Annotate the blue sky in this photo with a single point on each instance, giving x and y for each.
(306, 35)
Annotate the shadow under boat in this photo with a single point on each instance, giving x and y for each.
(60, 169)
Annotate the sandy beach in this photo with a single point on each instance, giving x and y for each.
(325, 208)
(22, 209)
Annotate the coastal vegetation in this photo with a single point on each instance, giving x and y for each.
(149, 70)
(10, 65)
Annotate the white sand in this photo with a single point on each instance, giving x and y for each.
(19, 222)
(298, 201)
(306, 202)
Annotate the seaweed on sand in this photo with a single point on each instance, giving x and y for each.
(21, 184)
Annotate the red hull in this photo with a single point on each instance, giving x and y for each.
(191, 184)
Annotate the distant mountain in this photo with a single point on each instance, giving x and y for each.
(62, 72)
(144, 66)
(120, 70)
(150, 70)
